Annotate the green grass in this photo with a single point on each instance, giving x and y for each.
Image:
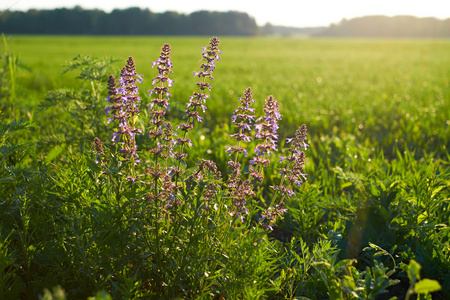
(378, 118)
(385, 92)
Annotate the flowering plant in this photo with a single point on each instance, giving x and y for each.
(162, 177)
(183, 199)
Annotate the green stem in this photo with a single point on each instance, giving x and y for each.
(190, 120)
(410, 291)
(158, 252)
(119, 221)
(239, 145)
(179, 161)
(133, 141)
(191, 234)
(276, 192)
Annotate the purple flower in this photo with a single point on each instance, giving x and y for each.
(236, 149)
(184, 141)
(271, 214)
(131, 179)
(168, 189)
(239, 190)
(300, 138)
(125, 98)
(98, 146)
(162, 133)
(198, 99)
(294, 163)
(242, 120)
(266, 131)
(162, 82)
(209, 176)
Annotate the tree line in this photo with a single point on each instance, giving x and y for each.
(130, 21)
(137, 21)
(389, 27)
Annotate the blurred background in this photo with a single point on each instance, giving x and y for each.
(349, 18)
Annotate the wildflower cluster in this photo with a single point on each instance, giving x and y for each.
(163, 184)
(210, 55)
(242, 118)
(125, 99)
(293, 171)
(240, 190)
(162, 131)
(270, 215)
(162, 82)
(266, 130)
(98, 146)
(164, 191)
(209, 177)
(99, 151)
(292, 176)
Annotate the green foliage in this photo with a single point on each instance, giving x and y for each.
(345, 281)
(10, 284)
(84, 105)
(57, 293)
(118, 22)
(13, 176)
(8, 63)
(376, 200)
(417, 285)
(389, 27)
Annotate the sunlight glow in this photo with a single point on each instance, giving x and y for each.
(295, 13)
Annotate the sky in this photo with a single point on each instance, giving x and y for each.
(296, 13)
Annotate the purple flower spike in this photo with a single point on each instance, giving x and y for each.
(242, 119)
(270, 215)
(162, 82)
(294, 162)
(125, 99)
(266, 130)
(162, 133)
(240, 190)
(207, 67)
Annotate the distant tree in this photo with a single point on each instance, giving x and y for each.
(267, 29)
(129, 21)
(382, 26)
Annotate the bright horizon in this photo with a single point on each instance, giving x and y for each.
(283, 12)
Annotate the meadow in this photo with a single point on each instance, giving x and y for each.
(371, 220)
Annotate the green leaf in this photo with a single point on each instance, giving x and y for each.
(55, 152)
(382, 186)
(347, 184)
(7, 129)
(102, 295)
(344, 262)
(436, 190)
(374, 246)
(414, 270)
(92, 165)
(426, 286)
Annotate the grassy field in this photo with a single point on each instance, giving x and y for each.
(383, 91)
(376, 199)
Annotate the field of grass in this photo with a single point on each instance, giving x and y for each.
(389, 92)
(374, 207)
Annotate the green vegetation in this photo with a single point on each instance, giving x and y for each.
(79, 21)
(390, 27)
(144, 22)
(371, 219)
